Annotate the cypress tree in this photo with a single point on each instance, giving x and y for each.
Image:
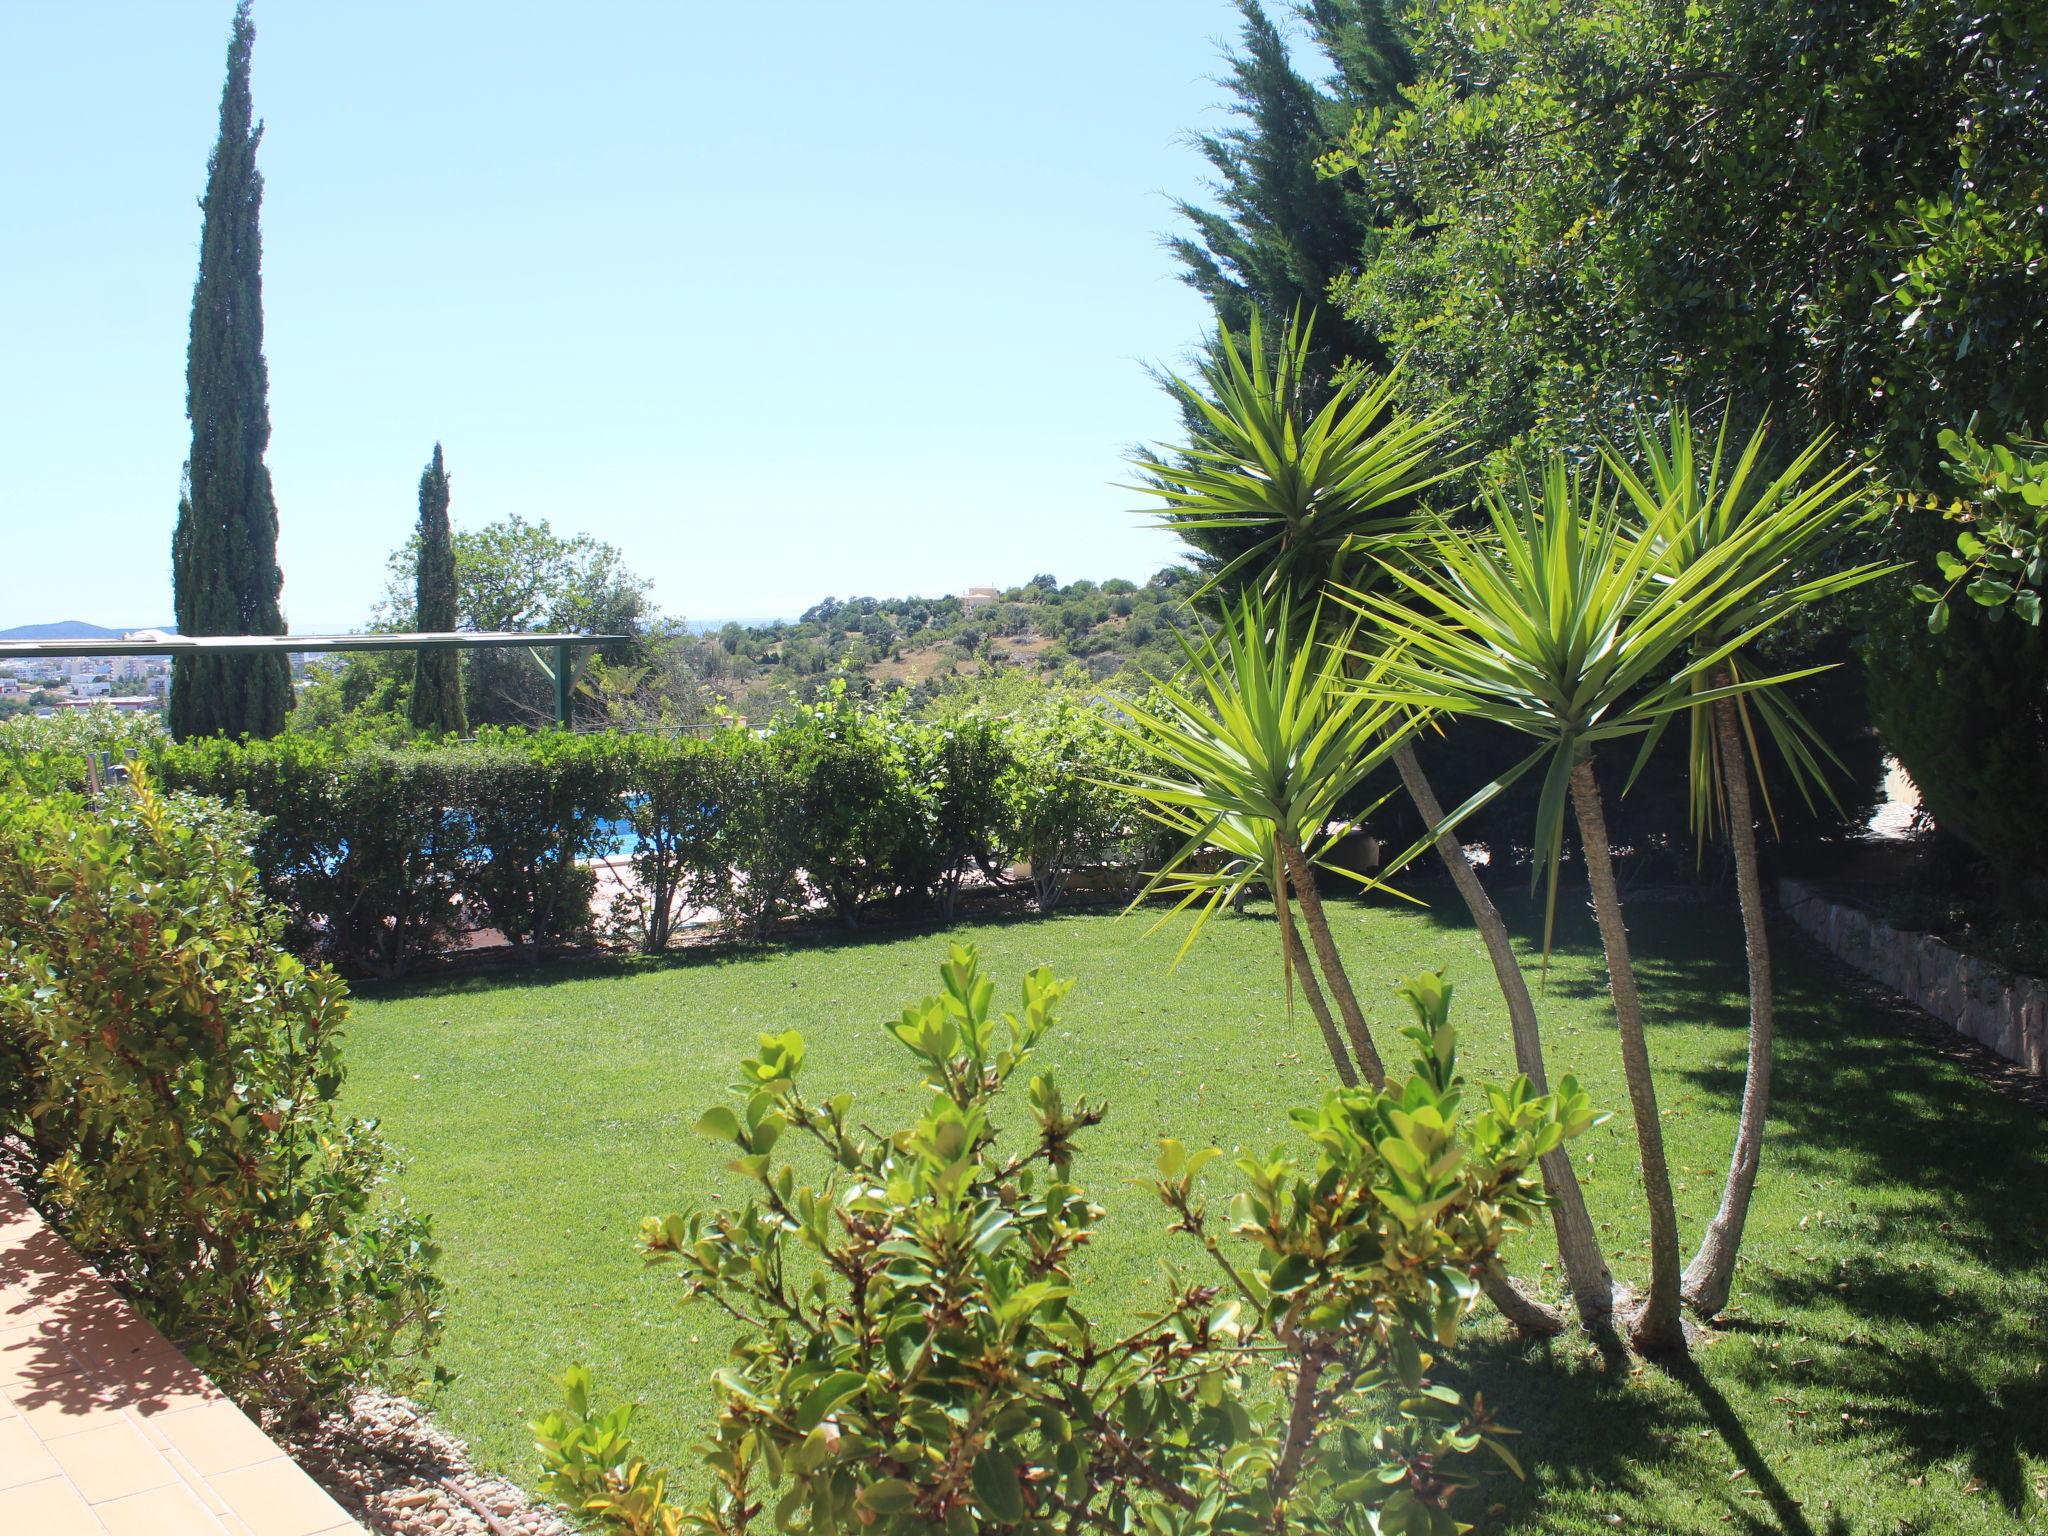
(224, 573)
(437, 675)
(1281, 232)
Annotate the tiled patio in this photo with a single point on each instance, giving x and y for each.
(105, 1428)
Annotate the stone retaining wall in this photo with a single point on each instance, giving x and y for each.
(1990, 1005)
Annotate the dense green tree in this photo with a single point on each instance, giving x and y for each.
(437, 674)
(1832, 212)
(1280, 233)
(224, 553)
(518, 575)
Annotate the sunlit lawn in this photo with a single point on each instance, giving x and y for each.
(1881, 1369)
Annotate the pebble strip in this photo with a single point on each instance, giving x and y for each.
(395, 1472)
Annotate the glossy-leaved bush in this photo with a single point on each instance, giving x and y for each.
(918, 1352)
(172, 1073)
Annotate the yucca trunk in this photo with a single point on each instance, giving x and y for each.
(1517, 1306)
(1658, 1327)
(1585, 1266)
(1318, 924)
(1292, 954)
(1712, 1271)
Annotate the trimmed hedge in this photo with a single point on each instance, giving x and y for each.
(382, 855)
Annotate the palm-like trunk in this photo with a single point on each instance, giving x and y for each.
(1517, 1306)
(1658, 1327)
(1292, 954)
(1585, 1266)
(1712, 1270)
(1318, 924)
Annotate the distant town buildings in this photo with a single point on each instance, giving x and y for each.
(128, 684)
(980, 597)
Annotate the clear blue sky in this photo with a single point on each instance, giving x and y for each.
(785, 300)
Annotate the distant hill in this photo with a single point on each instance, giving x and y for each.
(76, 629)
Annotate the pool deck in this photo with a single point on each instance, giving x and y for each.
(106, 1430)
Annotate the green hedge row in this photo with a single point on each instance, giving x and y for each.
(382, 854)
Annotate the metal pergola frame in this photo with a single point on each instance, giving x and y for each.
(562, 647)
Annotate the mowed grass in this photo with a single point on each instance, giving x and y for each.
(1881, 1369)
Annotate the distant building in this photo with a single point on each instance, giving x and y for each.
(980, 597)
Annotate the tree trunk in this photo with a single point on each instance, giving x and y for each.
(1658, 1327)
(1291, 953)
(1712, 1271)
(1318, 924)
(1585, 1267)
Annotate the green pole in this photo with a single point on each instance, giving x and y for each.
(562, 686)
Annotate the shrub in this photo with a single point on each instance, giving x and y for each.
(752, 878)
(1062, 817)
(859, 812)
(361, 844)
(958, 773)
(176, 1076)
(915, 1354)
(50, 752)
(538, 803)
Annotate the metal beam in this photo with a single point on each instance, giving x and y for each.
(185, 645)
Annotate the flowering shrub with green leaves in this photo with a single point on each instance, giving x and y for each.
(173, 1074)
(2000, 557)
(917, 1353)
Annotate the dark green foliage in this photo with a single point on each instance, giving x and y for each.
(173, 1073)
(854, 800)
(538, 805)
(932, 1363)
(1969, 719)
(224, 553)
(359, 843)
(517, 575)
(382, 851)
(1831, 212)
(437, 674)
(1281, 233)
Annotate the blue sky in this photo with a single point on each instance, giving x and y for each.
(786, 301)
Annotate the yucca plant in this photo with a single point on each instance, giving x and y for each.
(1564, 623)
(1278, 494)
(1784, 522)
(1286, 497)
(1248, 755)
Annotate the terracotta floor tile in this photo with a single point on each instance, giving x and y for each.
(29, 1353)
(70, 1408)
(160, 1512)
(49, 1508)
(216, 1437)
(189, 1475)
(23, 1458)
(275, 1498)
(111, 1462)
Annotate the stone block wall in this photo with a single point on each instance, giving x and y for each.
(1994, 1007)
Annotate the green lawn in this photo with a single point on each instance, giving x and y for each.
(1881, 1370)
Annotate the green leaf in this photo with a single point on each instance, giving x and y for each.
(720, 1122)
(838, 1388)
(995, 1483)
(887, 1496)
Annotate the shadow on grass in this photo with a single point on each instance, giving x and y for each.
(1926, 1142)
(503, 971)
(1586, 1428)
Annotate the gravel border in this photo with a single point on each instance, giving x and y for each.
(391, 1469)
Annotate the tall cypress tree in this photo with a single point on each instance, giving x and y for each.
(437, 674)
(224, 570)
(1281, 232)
